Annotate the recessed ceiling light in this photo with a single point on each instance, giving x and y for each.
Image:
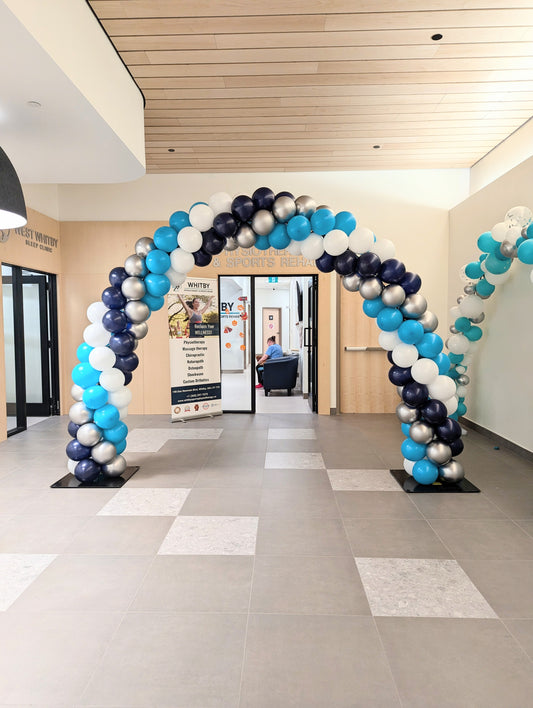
(171, 150)
(376, 147)
(34, 104)
(436, 37)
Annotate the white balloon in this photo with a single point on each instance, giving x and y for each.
(335, 242)
(95, 335)
(424, 371)
(123, 412)
(389, 340)
(520, 216)
(443, 388)
(189, 239)
(120, 398)
(497, 278)
(531, 276)
(71, 465)
(513, 234)
(462, 391)
(102, 358)
(404, 355)
(312, 247)
(112, 380)
(451, 405)
(455, 312)
(360, 240)
(483, 265)
(201, 217)
(76, 392)
(408, 466)
(96, 311)
(460, 369)
(295, 248)
(499, 231)
(220, 202)
(472, 306)
(383, 248)
(181, 261)
(176, 279)
(458, 344)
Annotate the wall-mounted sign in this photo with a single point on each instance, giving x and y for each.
(33, 238)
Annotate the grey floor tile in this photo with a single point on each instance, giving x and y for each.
(301, 479)
(294, 446)
(522, 631)
(227, 477)
(315, 662)
(307, 585)
(171, 659)
(67, 502)
(13, 500)
(294, 460)
(526, 525)
(151, 478)
(40, 534)
(484, 539)
(360, 480)
(211, 535)
(120, 535)
(17, 572)
(196, 584)
(506, 584)
(456, 506)
(376, 505)
(50, 656)
(361, 459)
(303, 536)
(222, 501)
(145, 501)
(294, 502)
(393, 538)
(516, 503)
(241, 460)
(291, 434)
(456, 662)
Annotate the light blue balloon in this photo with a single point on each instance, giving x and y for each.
(497, 265)
(484, 288)
(262, 243)
(323, 221)
(117, 433)
(461, 409)
(121, 446)
(372, 308)
(158, 261)
(95, 397)
(154, 302)
(474, 334)
(473, 270)
(487, 244)
(157, 284)
(84, 375)
(529, 230)
(462, 324)
(179, 220)
(166, 238)
(456, 358)
(298, 227)
(107, 416)
(83, 351)
(411, 331)
(413, 451)
(389, 319)
(345, 221)
(279, 238)
(442, 360)
(425, 472)
(525, 251)
(430, 345)
(406, 427)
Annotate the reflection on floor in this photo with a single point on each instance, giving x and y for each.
(12, 421)
(264, 561)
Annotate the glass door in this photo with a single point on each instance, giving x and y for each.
(311, 342)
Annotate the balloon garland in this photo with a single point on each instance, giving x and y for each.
(107, 359)
(508, 240)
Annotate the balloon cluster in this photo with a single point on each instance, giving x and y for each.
(265, 220)
(508, 240)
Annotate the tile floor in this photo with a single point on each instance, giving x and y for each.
(265, 560)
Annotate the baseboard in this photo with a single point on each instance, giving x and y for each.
(502, 442)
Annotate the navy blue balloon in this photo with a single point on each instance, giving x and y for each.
(434, 411)
(128, 376)
(72, 428)
(411, 283)
(263, 198)
(449, 430)
(369, 265)
(114, 320)
(346, 263)
(87, 471)
(457, 446)
(389, 357)
(415, 394)
(325, 263)
(243, 208)
(117, 276)
(399, 375)
(113, 298)
(285, 194)
(122, 343)
(77, 451)
(212, 242)
(225, 224)
(201, 258)
(392, 270)
(128, 362)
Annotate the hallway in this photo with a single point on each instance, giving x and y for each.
(264, 560)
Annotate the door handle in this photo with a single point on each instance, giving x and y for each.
(307, 330)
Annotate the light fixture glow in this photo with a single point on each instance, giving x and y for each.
(12, 206)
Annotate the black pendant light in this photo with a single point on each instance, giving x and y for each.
(12, 206)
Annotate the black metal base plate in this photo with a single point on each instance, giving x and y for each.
(410, 485)
(70, 482)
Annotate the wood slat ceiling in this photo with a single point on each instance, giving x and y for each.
(320, 84)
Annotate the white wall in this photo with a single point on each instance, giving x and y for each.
(500, 395)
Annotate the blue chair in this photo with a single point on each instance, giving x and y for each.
(280, 373)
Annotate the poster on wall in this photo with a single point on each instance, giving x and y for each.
(194, 335)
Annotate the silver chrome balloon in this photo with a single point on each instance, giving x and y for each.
(460, 299)
(77, 392)
(399, 391)
(370, 288)
(393, 295)
(139, 330)
(323, 206)
(143, 246)
(263, 222)
(80, 414)
(508, 249)
(133, 288)
(452, 471)
(463, 380)
(103, 452)
(89, 434)
(137, 311)
(439, 453)
(453, 329)
(284, 208)
(469, 289)
(115, 467)
(245, 236)
(421, 432)
(477, 320)
(134, 265)
(406, 414)
(429, 321)
(305, 205)
(231, 244)
(414, 305)
(351, 282)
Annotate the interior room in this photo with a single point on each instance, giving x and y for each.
(351, 525)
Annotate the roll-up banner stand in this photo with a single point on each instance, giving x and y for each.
(194, 337)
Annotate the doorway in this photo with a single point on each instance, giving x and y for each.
(30, 346)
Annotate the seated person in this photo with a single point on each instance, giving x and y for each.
(274, 351)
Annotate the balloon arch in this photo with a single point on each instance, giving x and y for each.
(430, 383)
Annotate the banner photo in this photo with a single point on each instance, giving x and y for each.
(194, 337)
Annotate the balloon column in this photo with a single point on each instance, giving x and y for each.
(265, 220)
(508, 240)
